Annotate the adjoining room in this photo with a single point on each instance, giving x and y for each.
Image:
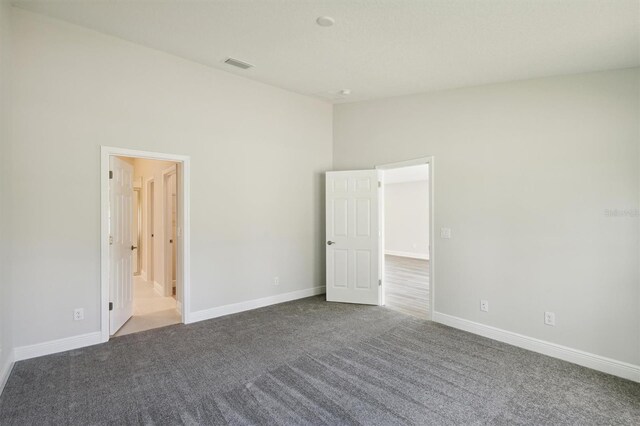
(406, 240)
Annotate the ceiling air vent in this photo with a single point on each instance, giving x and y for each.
(238, 63)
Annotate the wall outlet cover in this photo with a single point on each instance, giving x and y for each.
(78, 314)
(550, 318)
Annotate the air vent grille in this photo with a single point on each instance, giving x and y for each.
(238, 63)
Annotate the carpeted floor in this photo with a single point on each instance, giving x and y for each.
(312, 362)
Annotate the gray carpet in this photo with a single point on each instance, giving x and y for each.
(310, 362)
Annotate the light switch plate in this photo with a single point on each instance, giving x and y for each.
(445, 233)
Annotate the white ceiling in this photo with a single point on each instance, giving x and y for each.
(407, 174)
(377, 48)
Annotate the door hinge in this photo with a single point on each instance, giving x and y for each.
(379, 283)
(110, 174)
(110, 239)
(379, 184)
(111, 306)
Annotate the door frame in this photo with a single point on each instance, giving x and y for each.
(137, 195)
(432, 248)
(183, 173)
(149, 274)
(167, 249)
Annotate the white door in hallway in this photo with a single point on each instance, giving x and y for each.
(120, 243)
(352, 237)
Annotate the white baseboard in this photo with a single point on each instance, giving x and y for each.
(55, 346)
(159, 288)
(407, 254)
(234, 308)
(586, 359)
(5, 370)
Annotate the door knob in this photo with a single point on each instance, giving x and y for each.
(133, 247)
(330, 242)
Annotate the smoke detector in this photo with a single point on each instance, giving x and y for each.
(325, 21)
(238, 63)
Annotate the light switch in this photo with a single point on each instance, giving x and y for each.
(445, 233)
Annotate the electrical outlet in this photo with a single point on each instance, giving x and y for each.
(276, 280)
(550, 318)
(78, 314)
(445, 233)
(484, 305)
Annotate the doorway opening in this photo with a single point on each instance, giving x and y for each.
(406, 240)
(406, 237)
(356, 254)
(145, 234)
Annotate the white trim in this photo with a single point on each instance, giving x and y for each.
(234, 308)
(150, 212)
(167, 248)
(586, 359)
(432, 212)
(55, 346)
(184, 172)
(5, 371)
(179, 306)
(423, 256)
(408, 163)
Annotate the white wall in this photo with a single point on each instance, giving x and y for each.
(6, 345)
(524, 174)
(406, 219)
(258, 154)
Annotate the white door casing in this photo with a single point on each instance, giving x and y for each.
(120, 243)
(184, 227)
(352, 231)
(169, 220)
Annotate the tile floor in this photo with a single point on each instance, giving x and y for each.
(150, 309)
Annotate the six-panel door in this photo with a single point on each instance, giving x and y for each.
(352, 235)
(120, 243)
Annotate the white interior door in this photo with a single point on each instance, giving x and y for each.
(121, 243)
(353, 252)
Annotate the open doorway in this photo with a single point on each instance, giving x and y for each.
(355, 239)
(406, 238)
(145, 235)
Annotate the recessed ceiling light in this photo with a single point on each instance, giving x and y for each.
(325, 21)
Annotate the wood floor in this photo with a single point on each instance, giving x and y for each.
(407, 285)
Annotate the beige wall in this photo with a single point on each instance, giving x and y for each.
(257, 158)
(524, 174)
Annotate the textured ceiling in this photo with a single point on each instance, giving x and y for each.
(377, 48)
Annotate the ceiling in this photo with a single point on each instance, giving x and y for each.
(377, 48)
(407, 174)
